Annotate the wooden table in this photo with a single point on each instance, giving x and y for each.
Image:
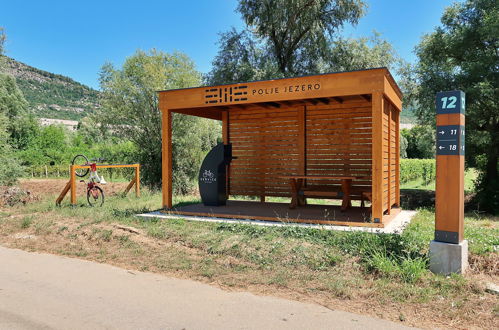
(298, 193)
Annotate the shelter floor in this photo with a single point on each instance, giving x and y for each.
(311, 213)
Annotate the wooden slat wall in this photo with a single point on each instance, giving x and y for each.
(314, 140)
(265, 142)
(339, 143)
(390, 156)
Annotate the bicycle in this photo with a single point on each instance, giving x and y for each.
(95, 194)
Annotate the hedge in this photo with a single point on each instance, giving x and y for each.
(414, 169)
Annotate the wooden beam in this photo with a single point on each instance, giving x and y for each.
(366, 97)
(325, 100)
(273, 104)
(288, 103)
(276, 90)
(238, 106)
(167, 158)
(73, 185)
(201, 112)
(337, 99)
(130, 185)
(377, 157)
(63, 193)
(392, 94)
(302, 140)
(106, 166)
(137, 181)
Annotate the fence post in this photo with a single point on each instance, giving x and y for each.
(73, 184)
(137, 181)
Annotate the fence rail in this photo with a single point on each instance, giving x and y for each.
(62, 171)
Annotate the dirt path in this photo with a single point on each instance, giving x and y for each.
(42, 291)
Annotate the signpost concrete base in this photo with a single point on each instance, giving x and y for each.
(447, 258)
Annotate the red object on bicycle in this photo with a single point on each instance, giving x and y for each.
(93, 167)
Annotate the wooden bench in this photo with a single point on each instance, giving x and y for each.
(327, 192)
(300, 192)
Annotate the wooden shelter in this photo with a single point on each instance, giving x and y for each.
(318, 132)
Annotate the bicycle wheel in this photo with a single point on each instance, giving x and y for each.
(95, 196)
(80, 160)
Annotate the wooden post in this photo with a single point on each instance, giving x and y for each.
(389, 192)
(449, 202)
(302, 140)
(63, 193)
(397, 157)
(137, 181)
(73, 184)
(377, 157)
(167, 158)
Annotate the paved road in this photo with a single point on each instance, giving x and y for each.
(42, 291)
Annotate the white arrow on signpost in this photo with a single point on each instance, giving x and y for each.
(440, 147)
(441, 132)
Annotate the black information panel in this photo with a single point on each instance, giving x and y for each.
(212, 184)
(450, 102)
(450, 140)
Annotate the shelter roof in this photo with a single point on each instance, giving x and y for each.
(210, 101)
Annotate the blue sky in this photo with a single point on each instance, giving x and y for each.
(75, 38)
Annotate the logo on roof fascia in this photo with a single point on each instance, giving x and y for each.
(226, 94)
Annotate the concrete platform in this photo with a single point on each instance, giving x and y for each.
(396, 225)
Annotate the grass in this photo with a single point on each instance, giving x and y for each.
(362, 272)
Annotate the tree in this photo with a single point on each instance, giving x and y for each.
(276, 46)
(241, 58)
(24, 131)
(10, 169)
(361, 53)
(298, 31)
(463, 54)
(130, 109)
(2, 40)
(11, 103)
(403, 146)
(420, 142)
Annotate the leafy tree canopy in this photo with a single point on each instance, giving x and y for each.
(463, 53)
(12, 102)
(130, 110)
(297, 32)
(289, 38)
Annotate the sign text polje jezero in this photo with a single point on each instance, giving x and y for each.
(285, 89)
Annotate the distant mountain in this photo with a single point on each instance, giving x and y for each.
(51, 95)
